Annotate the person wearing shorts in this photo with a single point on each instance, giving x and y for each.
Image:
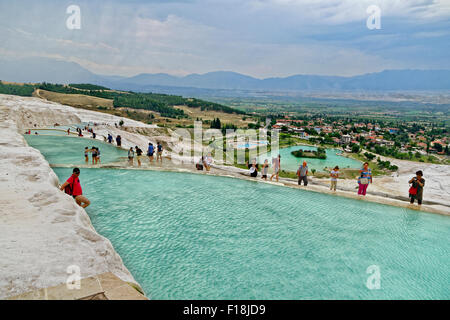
(130, 155)
(94, 155)
(138, 155)
(98, 155)
(302, 174)
(334, 174)
(276, 162)
(73, 187)
(417, 182)
(159, 151)
(150, 152)
(86, 154)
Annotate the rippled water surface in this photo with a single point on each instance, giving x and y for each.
(186, 236)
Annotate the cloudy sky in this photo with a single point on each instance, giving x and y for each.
(261, 38)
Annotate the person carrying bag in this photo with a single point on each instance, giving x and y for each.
(416, 189)
(364, 179)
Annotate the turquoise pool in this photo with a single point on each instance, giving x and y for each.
(70, 150)
(291, 163)
(187, 236)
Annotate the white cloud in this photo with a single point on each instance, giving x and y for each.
(345, 11)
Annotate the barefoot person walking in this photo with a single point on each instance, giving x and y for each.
(138, 155)
(364, 179)
(276, 162)
(334, 174)
(302, 174)
(73, 187)
(416, 190)
(130, 156)
(159, 151)
(150, 152)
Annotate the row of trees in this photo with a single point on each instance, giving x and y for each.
(320, 153)
(87, 86)
(209, 106)
(216, 124)
(25, 90)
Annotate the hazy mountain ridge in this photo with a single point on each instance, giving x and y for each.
(57, 71)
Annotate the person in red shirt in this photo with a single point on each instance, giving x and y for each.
(73, 187)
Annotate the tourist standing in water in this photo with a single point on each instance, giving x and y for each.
(364, 179)
(334, 174)
(276, 162)
(73, 187)
(138, 155)
(110, 138)
(159, 151)
(265, 169)
(150, 152)
(94, 155)
(130, 156)
(302, 174)
(98, 155)
(119, 141)
(86, 154)
(416, 190)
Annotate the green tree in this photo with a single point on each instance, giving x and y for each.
(438, 147)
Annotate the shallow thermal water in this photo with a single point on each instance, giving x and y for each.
(52, 132)
(70, 150)
(291, 163)
(187, 236)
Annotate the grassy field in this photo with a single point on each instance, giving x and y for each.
(74, 100)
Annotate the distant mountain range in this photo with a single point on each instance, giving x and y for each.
(57, 71)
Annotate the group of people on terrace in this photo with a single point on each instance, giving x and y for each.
(95, 153)
(364, 179)
(204, 162)
(150, 153)
(110, 139)
(254, 168)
